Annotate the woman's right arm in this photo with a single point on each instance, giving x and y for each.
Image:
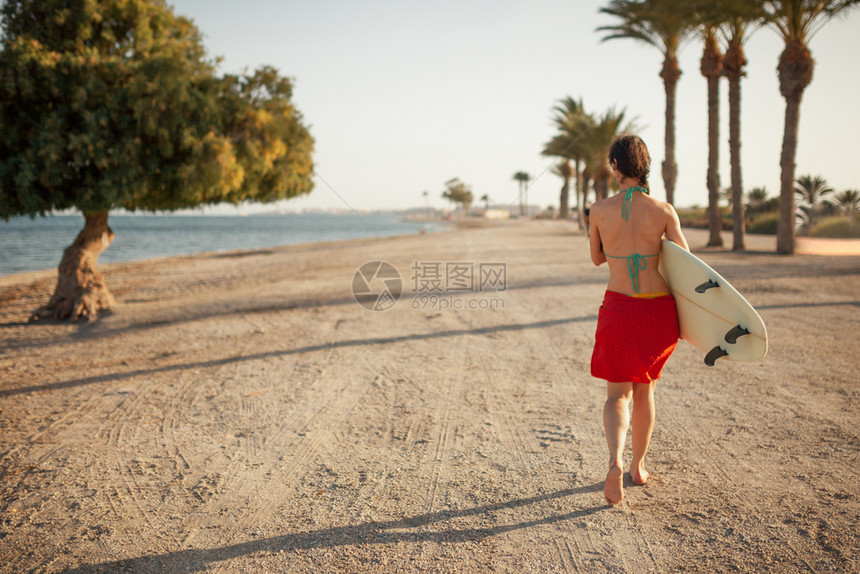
(598, 257)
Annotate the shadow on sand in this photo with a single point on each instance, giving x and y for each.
(408, 529)
(297, 351)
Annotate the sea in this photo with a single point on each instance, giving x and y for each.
(34, 244)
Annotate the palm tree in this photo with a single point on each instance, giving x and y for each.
(566, 113)
(848, 201)
(739, 19)
(486, 199)
(600, 137)
(756, 198)
(523, 179)
(711, 67)
(594, 136)
(797, 21)
(811, 191)
(664, 24)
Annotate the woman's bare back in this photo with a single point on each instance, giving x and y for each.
(632, 246)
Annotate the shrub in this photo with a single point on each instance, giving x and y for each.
(697, 218)
(763, 224)
(837, 227)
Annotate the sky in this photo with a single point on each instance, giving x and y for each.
(401, 96)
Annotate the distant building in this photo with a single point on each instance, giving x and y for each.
(497, 213)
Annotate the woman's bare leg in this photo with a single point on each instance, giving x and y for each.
(643, 424)
(616, 420)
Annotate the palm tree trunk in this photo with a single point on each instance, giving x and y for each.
(670, 74)
(795, 73)
(81, 292)
(578, 184)
(602, 186)
(715, 220)
(738, 223)
(526, 192)
(733, 68)
(785, 228)
(586, 179)
(711, 67)
(564, 199)
(522, 210)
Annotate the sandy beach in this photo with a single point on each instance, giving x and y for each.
(241, 412)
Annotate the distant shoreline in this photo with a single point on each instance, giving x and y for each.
(696, 237)
(38, 244)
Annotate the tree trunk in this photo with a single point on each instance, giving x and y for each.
(601, 185)
(81, 292)
(715, 219)
(785, 227)
(733, 65)
(526, 193)
(578, 184)
(795, 73)
(564, 199)
(711, 67)
(586, 181)
(738, 211)
(580, 196)
(670, 74)
(522, 211)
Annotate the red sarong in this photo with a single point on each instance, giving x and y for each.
(634, 338)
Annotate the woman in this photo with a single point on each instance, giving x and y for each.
(637, 326)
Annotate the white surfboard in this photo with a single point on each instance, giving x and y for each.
(714, 317)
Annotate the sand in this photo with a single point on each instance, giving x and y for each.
(242, 413)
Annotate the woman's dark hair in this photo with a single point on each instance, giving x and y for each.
(631, 158)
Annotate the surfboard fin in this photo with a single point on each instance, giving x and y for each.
(709, 284)
(715, 354)
(735, 334)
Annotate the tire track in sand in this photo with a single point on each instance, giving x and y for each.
(446, 411)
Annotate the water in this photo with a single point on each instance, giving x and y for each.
(34, 244)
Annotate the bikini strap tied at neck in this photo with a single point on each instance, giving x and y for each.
(628, 201)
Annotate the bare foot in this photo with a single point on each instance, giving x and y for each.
(639, 475)
(613, 491)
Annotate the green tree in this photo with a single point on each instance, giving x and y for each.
(847, 201)
(797, 21)
(579, 130)
(587, 138)
(114, 104)
(665, 25)
(523, 179)
(458, 193)
(602, 133)
(811, 191)
(486, 199)
(562, 146)
(756, 199)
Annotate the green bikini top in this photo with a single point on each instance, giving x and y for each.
(635, 262)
